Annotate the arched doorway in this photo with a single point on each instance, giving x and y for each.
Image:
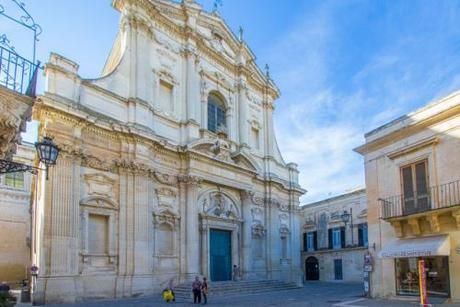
(311, 269)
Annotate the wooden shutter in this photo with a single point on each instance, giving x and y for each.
(342, 236)
(305, 241)
(421, 186)
(315, 240)
(329, 237)
(408, 190)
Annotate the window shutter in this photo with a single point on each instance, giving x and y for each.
(360, 235)
(342, 236)
(329, 236)
(305, 241)
(315, 240)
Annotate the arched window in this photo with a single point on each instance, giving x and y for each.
(216, 113)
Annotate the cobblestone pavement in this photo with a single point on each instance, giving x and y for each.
(312, 294)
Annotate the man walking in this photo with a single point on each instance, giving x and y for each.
(204, 288)
(196, 289)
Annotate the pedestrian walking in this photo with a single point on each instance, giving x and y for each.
(196, 289)
(204, 290)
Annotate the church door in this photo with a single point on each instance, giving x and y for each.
(220, 255)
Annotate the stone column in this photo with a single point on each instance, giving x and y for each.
(142, 222)
(243, 114)
(246, 232)
(204, 229)
(192, 99)
(183, 232)
(192, 227)
(61, 222)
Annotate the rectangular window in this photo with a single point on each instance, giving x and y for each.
(14, 180)
(362, 235)
(415, 187)
(255, 138)
(337, 238)
(166, 96)
(98, 234)
(312, 241)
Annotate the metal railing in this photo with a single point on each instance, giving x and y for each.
(437, 197)
(17, 73)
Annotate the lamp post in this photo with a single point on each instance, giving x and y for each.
(347, 217)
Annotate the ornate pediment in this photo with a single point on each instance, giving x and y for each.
(165, 216)
(99, 202)
(99, 185)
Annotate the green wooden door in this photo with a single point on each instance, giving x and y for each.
(220, 255)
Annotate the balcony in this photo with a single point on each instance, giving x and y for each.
(437, 197)
(18, 79)
(437, 201)
(17, 73)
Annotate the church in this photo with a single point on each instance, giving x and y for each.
(169, 166)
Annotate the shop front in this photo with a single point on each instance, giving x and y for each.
(407, 253)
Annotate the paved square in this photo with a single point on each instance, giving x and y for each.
(312, 294)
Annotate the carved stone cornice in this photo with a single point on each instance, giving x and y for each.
(190, 180)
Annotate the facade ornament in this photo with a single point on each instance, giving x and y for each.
(258, 230)
(220, 205)
(284, 231)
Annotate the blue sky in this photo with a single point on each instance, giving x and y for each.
(344, 67)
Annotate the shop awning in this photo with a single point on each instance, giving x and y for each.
(419, 247)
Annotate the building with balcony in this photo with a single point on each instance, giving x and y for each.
(413, 189)
(335, 238)
(15, 231)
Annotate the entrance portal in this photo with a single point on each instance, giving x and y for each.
(311, 269)
(220, 254)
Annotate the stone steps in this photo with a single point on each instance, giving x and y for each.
(229, 288)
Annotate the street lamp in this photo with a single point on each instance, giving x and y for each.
(47, 152)
(346, 218)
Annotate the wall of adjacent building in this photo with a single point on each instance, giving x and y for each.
(431, 133)
(15, 221)
(325, 214)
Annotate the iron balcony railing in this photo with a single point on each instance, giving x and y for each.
(437, 197)
(17, 73)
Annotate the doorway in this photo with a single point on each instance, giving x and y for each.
(338, 273)
(311, 269)
(220, 254)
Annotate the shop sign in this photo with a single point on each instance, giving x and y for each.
(422, 283)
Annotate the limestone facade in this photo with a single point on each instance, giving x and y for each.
(324, 256)
(413, 191)
(173, 142)
(15, 231)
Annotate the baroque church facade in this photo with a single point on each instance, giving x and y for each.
(169, 166)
